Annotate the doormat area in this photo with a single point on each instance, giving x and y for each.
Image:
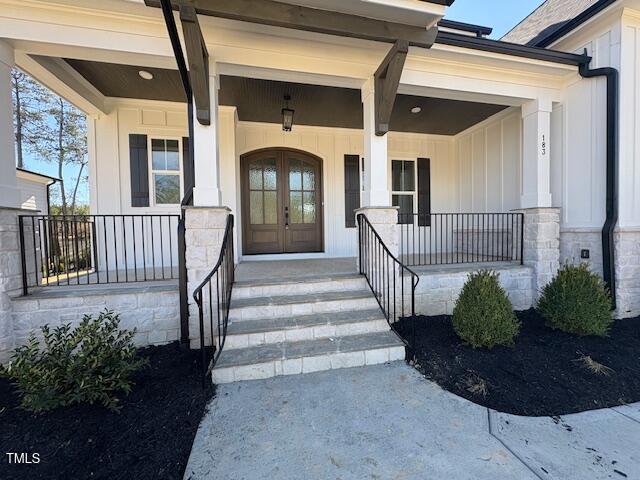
(546, 372)
(151, 438)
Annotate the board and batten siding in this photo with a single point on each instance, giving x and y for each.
(33, 195)
(331, 145)
(489, 157)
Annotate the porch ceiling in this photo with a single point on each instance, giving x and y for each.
(260, 100)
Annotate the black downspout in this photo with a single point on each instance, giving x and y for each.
(167, 12)
(613, 99)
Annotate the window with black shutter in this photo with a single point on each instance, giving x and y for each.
(139, 164)
(424, 192)
(351, 189)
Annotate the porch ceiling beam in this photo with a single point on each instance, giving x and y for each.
(198, 59)
(296, 17)
(387, 80)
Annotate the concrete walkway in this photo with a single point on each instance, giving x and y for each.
(388, 422)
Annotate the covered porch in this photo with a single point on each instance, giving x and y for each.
(451, 135)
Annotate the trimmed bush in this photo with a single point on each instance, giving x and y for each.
(483, 315)
(87, 364)
(577, 301)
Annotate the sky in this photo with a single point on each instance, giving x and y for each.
(501, 15)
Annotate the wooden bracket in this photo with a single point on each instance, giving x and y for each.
(387, 80)
(198, 58)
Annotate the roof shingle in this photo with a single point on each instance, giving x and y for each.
(547, 18)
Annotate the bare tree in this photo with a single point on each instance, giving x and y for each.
(64, 142)
(28, 100)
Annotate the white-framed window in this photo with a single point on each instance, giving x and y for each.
(165, 167)
(403, 188)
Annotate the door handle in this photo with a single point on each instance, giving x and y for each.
(286, 216)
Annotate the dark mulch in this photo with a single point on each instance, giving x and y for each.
(542, 374)
(150, 439)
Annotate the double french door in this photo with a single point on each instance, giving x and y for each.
(281, 202)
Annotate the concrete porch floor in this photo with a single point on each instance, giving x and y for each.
(283, 270)
(388, 422)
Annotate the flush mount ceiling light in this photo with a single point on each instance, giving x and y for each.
(146, 75)
(416, 109)
(287, 115)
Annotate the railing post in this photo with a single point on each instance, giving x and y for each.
(182, 283)
(23, 257)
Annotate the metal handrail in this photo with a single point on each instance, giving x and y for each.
(383, 271)
(224, 273)
(77, 250)
(459, 238)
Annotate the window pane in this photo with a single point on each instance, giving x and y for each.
(408, 177)
(270, 174)
(173, 157)
(309, 177)
(405, 202)
(396, 174)
(255, 202)
(270, 208)
(295, 176)
(295, 207)
(309, 207)
(255, 175)
(158, 156)
(167, 189)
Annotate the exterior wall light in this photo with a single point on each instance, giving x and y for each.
(287, 115)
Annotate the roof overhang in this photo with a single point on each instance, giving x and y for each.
(299, 17)
(408, 12)
(36, 177)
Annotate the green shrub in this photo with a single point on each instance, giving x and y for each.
(577, 301)
(483, 315)
(87, 364)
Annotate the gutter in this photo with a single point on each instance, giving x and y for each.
(613, 133)
(513, 49)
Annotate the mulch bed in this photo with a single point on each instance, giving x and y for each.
(149, 439)
(542, 374)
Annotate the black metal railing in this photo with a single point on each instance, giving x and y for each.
(213, 298)
(453, 238)
(67, 250)
(391, 281)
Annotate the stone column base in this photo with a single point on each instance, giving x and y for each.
(627, 264)
(204, 232)
(541, 239)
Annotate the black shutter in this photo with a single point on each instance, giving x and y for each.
(424, 192)
(139, 166)
(351, 189)
(188, 180)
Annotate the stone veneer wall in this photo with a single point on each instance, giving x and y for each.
(204, 232)
(627, 263)
(153, 311)
(541, 245)
(573, 241)
(11, 273)
(437, 291)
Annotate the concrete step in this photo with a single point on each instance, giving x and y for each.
(305, 304)
(298, 286)
(265, 331)
(291, 358)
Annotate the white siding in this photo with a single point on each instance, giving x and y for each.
(489, 156)
(33, 195)
(332, 144)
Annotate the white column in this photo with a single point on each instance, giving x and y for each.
(376, 166)
(9, 193)
(207, 153)
(536, 154)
